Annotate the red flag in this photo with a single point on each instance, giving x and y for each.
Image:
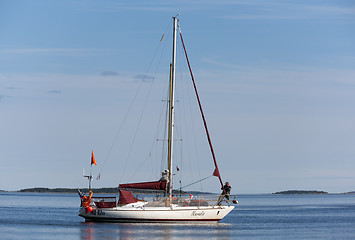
(177, 168)
(93, 161)
(216, 173)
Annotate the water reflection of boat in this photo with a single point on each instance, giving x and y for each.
(159, 209)
(90, 231)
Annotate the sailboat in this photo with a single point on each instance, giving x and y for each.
(159, 209)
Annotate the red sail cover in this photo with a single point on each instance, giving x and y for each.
(126, 197)
(157, 185)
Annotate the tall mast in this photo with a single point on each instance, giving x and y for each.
(171, 111)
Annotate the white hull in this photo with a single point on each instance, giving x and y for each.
(157, 214)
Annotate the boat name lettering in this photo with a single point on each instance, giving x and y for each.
(195, 213)
(97, 212)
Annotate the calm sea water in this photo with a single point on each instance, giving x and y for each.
(55, 216)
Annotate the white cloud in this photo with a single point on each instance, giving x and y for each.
(109, 73)
(55, 92)
(281, 10)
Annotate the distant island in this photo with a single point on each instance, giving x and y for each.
(113, 190)
(301, 192)
(69, 190)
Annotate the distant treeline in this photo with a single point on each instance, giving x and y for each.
(301, 192)
(95, 190)
(69, 190)
(114, 190)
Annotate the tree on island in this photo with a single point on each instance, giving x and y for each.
(301, 192)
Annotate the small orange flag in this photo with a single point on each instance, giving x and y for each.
(93, 161)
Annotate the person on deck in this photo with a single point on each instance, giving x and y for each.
(226, 192)
(85, 200)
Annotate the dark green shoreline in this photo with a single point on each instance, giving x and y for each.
(69, 190)
(114, 190)
(301, 192)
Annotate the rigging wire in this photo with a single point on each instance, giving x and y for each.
(189, 122)
(142, 113)
(131, 105)
(198, 181)
(136, 131)
(163, 114)
(216, 171)
(164, 153)
(152, 145)
(121, 127)
(179, 122)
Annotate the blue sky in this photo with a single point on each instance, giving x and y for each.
(277, 81)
